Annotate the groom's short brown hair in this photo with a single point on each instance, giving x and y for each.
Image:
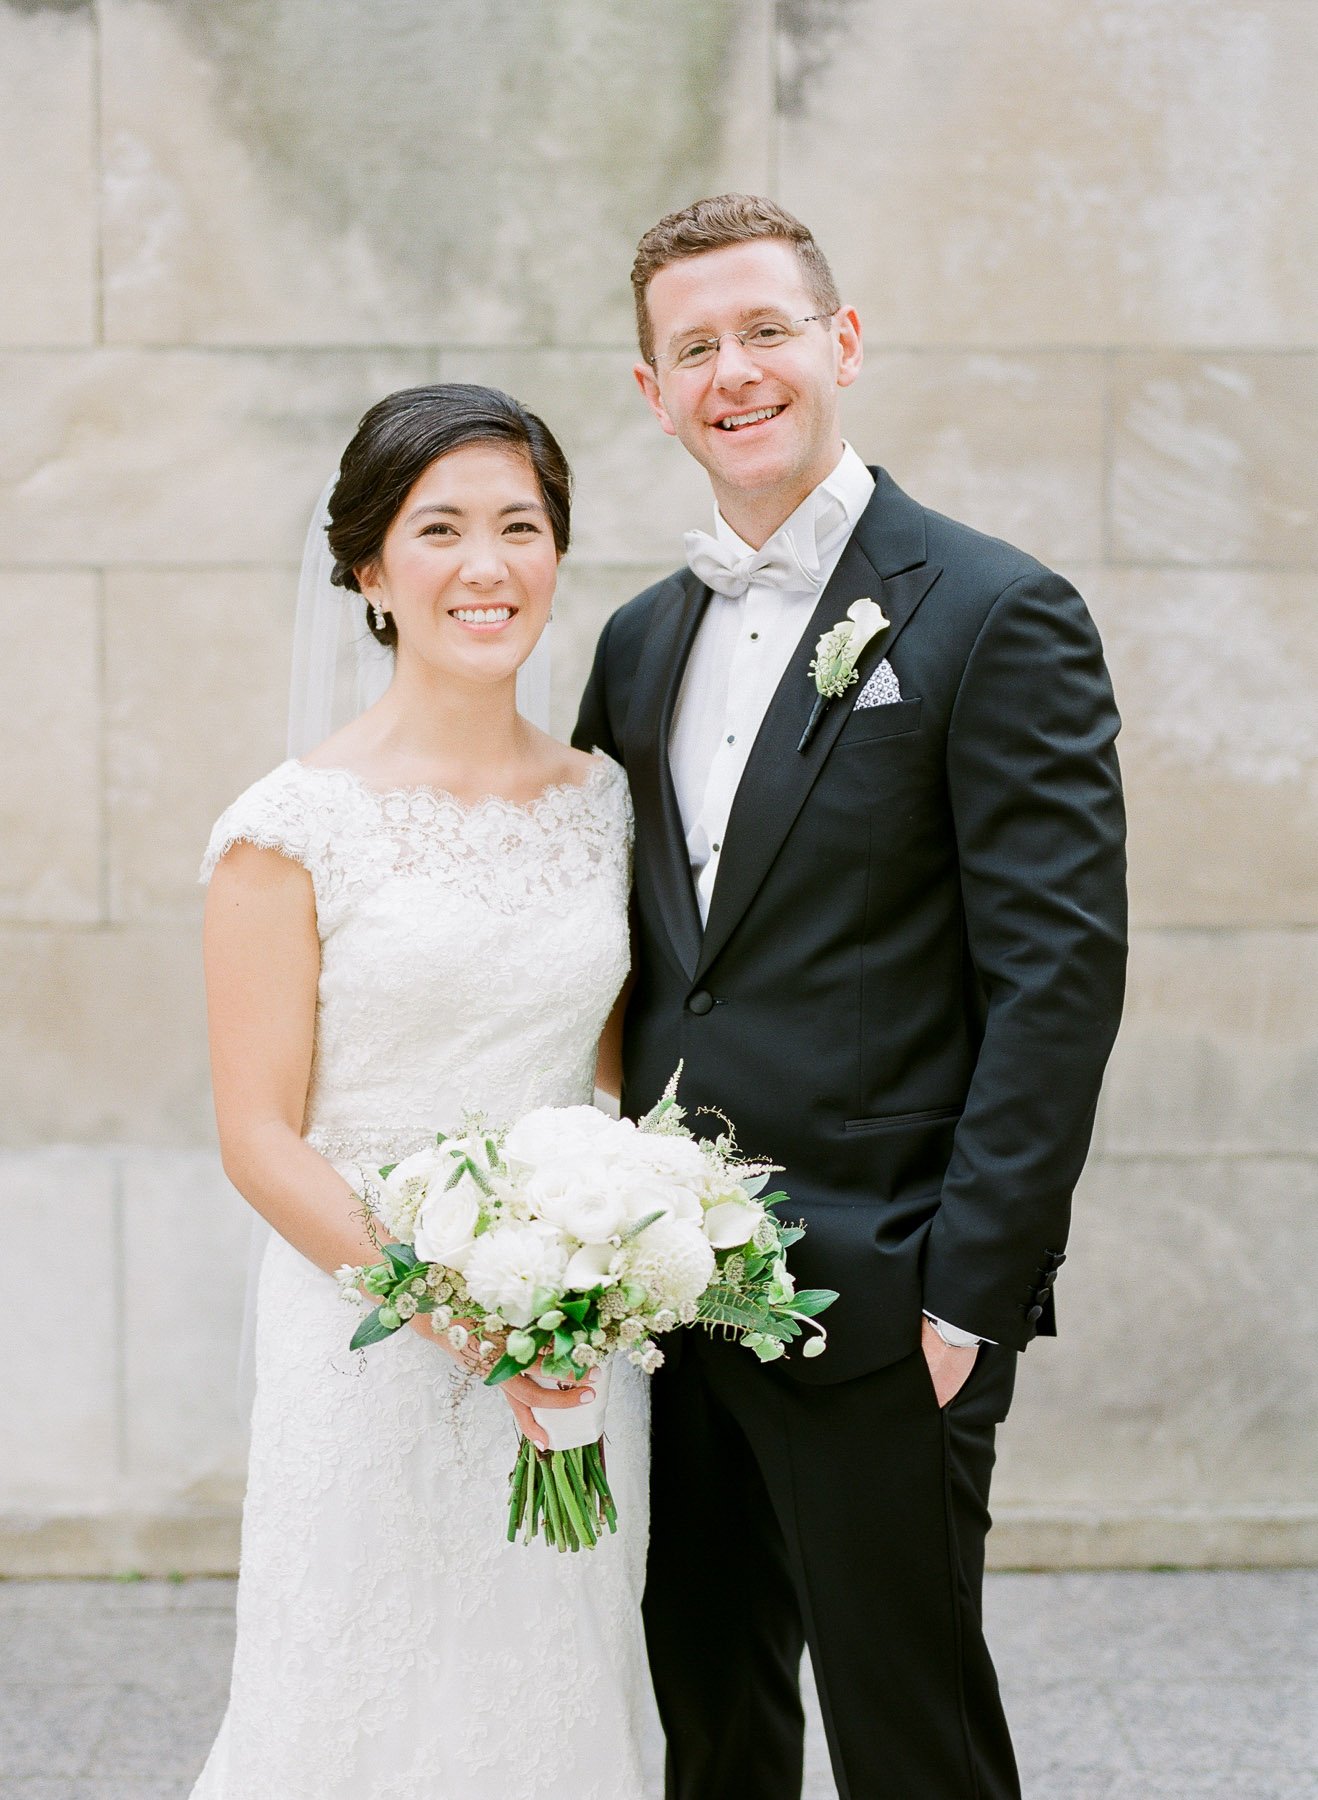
(712, 225)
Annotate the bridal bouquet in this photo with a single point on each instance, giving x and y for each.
(568, 1238)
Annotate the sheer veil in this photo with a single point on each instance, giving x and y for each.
(339, 670)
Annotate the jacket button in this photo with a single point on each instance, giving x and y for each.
(700, 1003)
(1035, 1312)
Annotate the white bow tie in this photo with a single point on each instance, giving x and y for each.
(778, 565)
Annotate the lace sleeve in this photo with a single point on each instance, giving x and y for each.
(272, 814)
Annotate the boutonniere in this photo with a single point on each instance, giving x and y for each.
(836, 656)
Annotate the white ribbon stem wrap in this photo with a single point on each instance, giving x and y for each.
(571, 1427)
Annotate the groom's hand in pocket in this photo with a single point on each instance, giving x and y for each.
(949, 1364)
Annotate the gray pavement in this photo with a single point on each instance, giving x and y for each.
(1167, 1686)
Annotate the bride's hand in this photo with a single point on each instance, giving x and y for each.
(522, 1394)
(519, 1391)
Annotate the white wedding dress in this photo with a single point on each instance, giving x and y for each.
(391, 1644)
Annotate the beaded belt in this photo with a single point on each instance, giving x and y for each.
(369, 1145)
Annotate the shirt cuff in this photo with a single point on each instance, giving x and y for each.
(953, 1334)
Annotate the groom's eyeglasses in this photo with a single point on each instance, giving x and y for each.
(760, 339)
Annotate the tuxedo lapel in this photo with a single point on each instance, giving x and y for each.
(662, 862)
(884, 560)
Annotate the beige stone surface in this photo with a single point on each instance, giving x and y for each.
(102, 1037)
(184, 1439)
(1054, 173)
(1218, 1051)
(182, 1541)
(177, 457)
(1213, 458)
(587, 594)
(1216, 674)
(636, 490)
(197, 668)
(1150, 1537)
(1185, 1375)
(1010, 444)
(50, 749)
(477, 173)
(48, 152)
(1082, 239)
(60, 1413)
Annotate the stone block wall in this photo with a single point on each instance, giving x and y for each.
(1081, 237)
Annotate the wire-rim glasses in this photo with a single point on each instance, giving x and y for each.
(763, 337)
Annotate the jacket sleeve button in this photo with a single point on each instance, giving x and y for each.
(1035, 1312)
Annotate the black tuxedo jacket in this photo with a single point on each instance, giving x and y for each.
(912, 970)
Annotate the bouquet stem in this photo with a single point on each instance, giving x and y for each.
(560, 1495)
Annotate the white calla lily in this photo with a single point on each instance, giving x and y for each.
(589, 1268)
(868, 620)
(838, 650)
(731, 1224)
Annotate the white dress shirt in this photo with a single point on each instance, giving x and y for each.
(741, 650)
(738, 659)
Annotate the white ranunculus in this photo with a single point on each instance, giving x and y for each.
(580, 1199)
(673, 1260)
(446, 1225)
(590, 1267)
(732, 1223)
(513, 1268)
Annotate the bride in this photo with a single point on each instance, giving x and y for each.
(426, 914)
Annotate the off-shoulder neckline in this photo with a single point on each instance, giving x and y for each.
(604, 765)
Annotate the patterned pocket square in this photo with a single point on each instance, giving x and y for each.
(882, 688)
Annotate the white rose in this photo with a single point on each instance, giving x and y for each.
(406, 1186)
(643, 1193)
(581, 1200)
(517, 1270)
(673, 1260)
(446, 1225)
(553, 1132)
(679, 1159)
(732, 1223)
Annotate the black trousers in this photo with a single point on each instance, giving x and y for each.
(849, 1517)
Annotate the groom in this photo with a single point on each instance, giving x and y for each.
(891, 950)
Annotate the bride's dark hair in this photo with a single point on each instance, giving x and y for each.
(396, 442)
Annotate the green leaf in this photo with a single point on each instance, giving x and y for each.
(643, 1224)
(725, 1306)
(371, 1331)
(503, 1370)
(575, 1309)
(562, 1342)
(811, 1301)
(402, 1259)
(387, 1171)
(789, 1235)
(773, 1199)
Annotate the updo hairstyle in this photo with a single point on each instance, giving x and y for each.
(396, 443)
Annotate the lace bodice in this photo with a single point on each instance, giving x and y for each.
(469, 953)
